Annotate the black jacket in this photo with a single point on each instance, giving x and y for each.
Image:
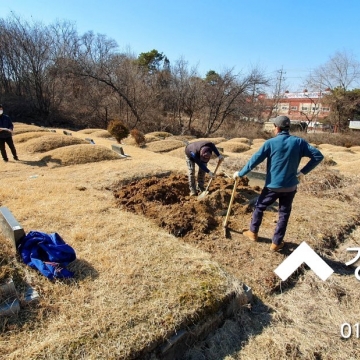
(5, 122)
(192, 151)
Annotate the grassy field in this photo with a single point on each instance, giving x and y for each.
(137, 283)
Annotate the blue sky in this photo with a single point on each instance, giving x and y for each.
(296, 36)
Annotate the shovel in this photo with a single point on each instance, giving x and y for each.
(205, 192)
(229, 208)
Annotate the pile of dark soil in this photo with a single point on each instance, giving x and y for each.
(166, 200)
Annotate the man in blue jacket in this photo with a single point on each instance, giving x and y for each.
(199, 152)
(283, 154)
(6, 129)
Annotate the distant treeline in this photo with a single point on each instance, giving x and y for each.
(51, 75)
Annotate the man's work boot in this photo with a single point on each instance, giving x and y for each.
(250, 235)
(274, 247)
(16, 158)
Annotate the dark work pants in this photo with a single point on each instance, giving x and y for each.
(266, 198)
(191, 175)
(11, 145)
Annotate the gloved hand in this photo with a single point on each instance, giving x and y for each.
(221, 158)
(212, 175)
(300, 176)
(236, 175)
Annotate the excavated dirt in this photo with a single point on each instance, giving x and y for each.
(166, 201)
(200, 222)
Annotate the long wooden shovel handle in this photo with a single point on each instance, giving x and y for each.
(230, 204)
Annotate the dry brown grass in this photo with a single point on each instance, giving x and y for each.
(89, 131)
(215, 140)
(20, 128)
(136, 284)
(78, 154)
(102, 134)
(234, 146)
(161, 135)
(49, 142)
(164, 145)
(25, 136)
(241, 140)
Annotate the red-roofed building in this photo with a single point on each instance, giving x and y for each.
(302, 106)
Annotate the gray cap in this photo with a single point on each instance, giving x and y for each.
(282, 122)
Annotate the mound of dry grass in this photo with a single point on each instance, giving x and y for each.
(26, 136)
(20, 128)
(179, 153)
(89, 131)
(149, 138)
(79, 154)
(234, 146)
(257, 142)
(160, 134)
(49, 142)
(164, 145)
(334, 148)
(348, 167)
(129, 141)
(241, 140)
(183, 138)
(102, 134)
(215, 140)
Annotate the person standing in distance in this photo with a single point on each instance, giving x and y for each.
(283, 154)
(199, 152)
(6, 130)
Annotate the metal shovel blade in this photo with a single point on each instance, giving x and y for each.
(203, 194)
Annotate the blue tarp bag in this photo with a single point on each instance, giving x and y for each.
(47, 253)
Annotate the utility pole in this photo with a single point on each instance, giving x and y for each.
(279, 79)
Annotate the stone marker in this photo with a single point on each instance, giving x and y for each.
(91, 141)
(119, 150)
(10, 226)
(9, 303)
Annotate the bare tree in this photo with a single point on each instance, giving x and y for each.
(341, 70)
(338, 75)
(186, 93)
(97, 59)
(226, 95)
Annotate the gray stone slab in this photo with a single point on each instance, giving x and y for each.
(10, 307)
(9, 303)
(91, 141)
(10, 226)
(118, 149)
